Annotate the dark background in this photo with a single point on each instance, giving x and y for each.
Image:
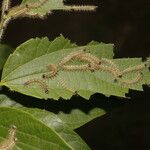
(126, 23)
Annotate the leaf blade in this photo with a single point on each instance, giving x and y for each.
(43, 137)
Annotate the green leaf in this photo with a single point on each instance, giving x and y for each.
(34, 133)
(76, 118)
(47, 6)
(30, 61)
(73, 119)
(31, 58)
(5, 51)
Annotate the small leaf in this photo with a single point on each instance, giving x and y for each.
(32, 133)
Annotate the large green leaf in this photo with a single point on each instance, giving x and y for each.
(5, 50)
(30, 61)
(73, 119)
(47, 6)
(34, 132)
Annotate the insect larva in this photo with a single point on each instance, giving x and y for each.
(5, 7)
(53, 71)
(76, 67)
(23, 9)
(109, 62)
(111, 70)
(17, 11)
(40, 83)
(132, 81)
(70, 57)
(135, 68)
(89, 58)
(10, 141)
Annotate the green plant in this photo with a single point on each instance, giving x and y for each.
(57, 69)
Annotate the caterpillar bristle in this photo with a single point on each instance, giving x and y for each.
(5, 7)
(88, 58)
(70, 56)
(10, 140)
(132, 81)
(134, 68)
(76, 67)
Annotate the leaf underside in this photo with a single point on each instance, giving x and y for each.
(30, 61)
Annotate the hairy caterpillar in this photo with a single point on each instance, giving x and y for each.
(5, 7)
(76, 67)
(10, 141)
(115, 72)
(40, 83)
(53, 71)
(89, 58)
(17, 11)
(135, 68)
(109, 62)
(79, 8)
(70, 57)
(132, 81)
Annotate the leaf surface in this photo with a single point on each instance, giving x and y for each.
(30, 60)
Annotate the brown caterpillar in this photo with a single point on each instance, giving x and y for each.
(89, 58)
(109, 62)
(40, 83)
(17, 11)
(76, 67)
(115, 72)
(70, 56)
(135, 68)
(80, 8)
(10, 141)
(5, 7)
(132, 81)
(23, 9)
(53, 71)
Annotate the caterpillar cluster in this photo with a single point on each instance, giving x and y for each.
(11, 139)
(91, 63)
